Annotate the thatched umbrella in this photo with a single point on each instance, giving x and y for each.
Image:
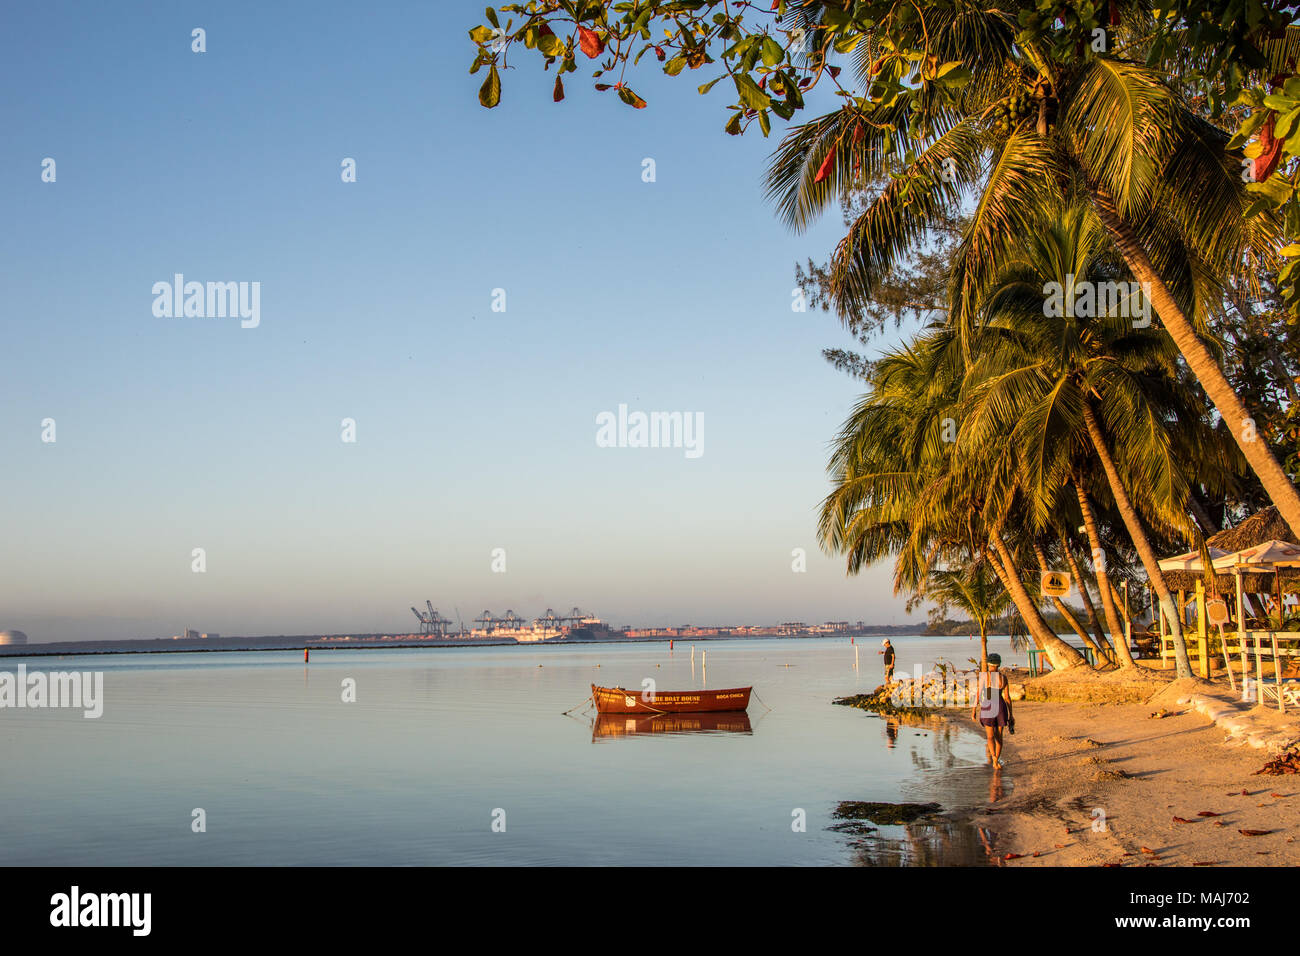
(1235, 571)
(1260, 528)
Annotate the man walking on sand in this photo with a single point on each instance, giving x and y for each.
(889, 659)
(993, 709)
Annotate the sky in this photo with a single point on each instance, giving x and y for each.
(475, 429)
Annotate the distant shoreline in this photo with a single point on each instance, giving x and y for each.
(239, 645)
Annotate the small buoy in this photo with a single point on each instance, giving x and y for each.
(539, 665)
(306, 655)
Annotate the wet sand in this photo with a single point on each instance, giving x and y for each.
(1094, 784)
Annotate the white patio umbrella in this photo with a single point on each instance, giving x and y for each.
(1191, 560)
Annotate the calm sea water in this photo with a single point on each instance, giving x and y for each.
(441, 742)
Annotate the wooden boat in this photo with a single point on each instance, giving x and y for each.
(616, 700)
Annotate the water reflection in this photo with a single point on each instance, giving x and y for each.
(933, 843)
(946, 837)
(608, 726)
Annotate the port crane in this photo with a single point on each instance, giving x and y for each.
(432, 623)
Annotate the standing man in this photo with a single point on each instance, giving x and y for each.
(888, 651)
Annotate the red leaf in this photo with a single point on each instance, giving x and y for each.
(1208, 813)
(1012, 856)
(1181, 820)
(1254, 832)
(1270, 151)
(591, 43)
(825, 169)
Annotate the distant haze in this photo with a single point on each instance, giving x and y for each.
(475, 430)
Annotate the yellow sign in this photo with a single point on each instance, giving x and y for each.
(1055, 584)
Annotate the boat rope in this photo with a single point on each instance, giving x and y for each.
(754, 694)
(589, 700)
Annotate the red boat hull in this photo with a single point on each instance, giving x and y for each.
(616, 700)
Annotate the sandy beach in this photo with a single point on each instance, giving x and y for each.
(1104, 783)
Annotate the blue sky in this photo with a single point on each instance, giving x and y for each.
(475, 429)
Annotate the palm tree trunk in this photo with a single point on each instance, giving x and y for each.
(1198, 512)
(1117, 637)
(1088, 607)
(1060, 654)
(1064, 611)
(1140, 541)
(995, 563)
(1229, 405)
(984, 646)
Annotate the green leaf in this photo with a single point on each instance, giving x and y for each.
(492, 17)
(764, 123)
(733, 125)
(836, 18)
(1290, 251)
(675, 65)
(1247, 129)
(846, 43)
(631, 99)
(550, 45)
(957, 76)
(1282, 129)
(480, 34)
(704, 88)
(750, 94)
(773, 52)
(489, 93)
(1279, 102)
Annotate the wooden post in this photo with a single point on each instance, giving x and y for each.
(1202, 638)
(1259, 669)
(1128, 621)
(1160, 613)
(1241, 626)
(1277, 675)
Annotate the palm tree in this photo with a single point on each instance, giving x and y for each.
(1038, 122)
(900, 491)
(972, 589)
(1066, 385)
